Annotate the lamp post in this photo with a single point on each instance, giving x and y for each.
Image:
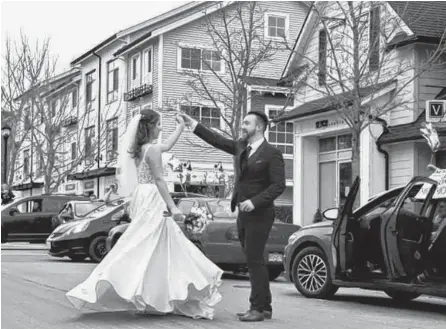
(6, 131)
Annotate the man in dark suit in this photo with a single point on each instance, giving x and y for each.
(260, 179)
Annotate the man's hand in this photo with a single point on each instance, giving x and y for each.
(246, 206)
(187, 119)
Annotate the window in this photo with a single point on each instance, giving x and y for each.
(26, 162)
(185, 206)
(374, 36)
(339, 52)
(206, 115)
(136, 71)
(330, 144)
(73, 151)
(276, 25)
(112, 138)
(89, 90)
(89, 135)
(322, 74)
(74, 98)
(148, 65)
(53, 108)
(198, 59)
(40, 163)
(29, 206)
(211, 61)
(281, 135)
(112, 81)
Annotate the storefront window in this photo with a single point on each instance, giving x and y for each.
(327, 144)
(440, 159)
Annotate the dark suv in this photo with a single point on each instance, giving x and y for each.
(30, 218)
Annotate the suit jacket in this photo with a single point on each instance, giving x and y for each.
(262, 181)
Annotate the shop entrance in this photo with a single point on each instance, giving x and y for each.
(335, 170)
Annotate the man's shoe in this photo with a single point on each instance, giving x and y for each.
(267, 314)
(252, 316)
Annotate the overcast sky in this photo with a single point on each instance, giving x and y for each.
(76, 26)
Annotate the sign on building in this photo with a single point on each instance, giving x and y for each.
(436, 111)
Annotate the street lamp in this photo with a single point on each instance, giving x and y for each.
(6, 131)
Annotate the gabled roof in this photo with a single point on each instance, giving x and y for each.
(329, 103)
(424, 18)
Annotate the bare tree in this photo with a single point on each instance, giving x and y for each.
(23, 68)
(45, 121)
(357, 60)
(218, 74)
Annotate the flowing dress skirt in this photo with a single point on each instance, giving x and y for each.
(153, 268)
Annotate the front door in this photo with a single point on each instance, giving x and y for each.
(405, 231)
(343, 236)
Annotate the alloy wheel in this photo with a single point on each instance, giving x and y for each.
(312, 273)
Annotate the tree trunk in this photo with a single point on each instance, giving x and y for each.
(356, 163)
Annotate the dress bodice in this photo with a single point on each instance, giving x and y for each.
(144, 173)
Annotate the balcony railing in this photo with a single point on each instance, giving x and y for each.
(137, 92)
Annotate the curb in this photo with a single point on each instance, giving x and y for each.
(25, 246)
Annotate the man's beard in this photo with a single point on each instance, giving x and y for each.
(246, 135)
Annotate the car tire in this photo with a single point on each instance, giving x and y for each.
(402, 296)
(311, 274)
(97, 249)
(77, 258)
(274, 273)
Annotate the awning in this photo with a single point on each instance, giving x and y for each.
(27, 185)
(94, 173)
(409, 131)
(329, 103)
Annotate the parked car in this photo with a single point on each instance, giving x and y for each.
(85, 235)
(116, 232)
(218, 237)
(74, 210)
(30, 218)
(388, 244)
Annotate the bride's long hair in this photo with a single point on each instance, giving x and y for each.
(149, 119)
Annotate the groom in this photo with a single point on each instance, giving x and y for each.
(260, 179)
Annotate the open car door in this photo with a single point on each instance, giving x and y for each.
(343, 236)
(406, 230)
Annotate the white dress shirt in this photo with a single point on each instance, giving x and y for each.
(254, 146)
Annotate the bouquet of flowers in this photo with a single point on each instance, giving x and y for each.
(197, 220)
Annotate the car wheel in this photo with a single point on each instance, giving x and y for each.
(274, 273)
(401, 296)
(77, 258)
(97, 249)
(311, 274)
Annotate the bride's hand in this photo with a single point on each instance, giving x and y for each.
(180, 121)
(177, 214)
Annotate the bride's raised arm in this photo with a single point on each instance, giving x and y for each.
(170, 142)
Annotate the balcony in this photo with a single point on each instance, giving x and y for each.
(138, 92)
(72, 120)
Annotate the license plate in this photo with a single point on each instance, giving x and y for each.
(275, 258)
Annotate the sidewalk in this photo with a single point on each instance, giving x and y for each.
(24, 246)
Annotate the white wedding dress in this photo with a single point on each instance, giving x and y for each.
(153, 267)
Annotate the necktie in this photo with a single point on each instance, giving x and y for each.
(245, 156)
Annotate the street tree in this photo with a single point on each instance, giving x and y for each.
(357, 58)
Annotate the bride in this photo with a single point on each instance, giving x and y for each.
(153, 268)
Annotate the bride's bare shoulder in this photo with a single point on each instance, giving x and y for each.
(151, 150)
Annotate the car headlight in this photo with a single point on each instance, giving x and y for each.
(80, 227)
(293, 237)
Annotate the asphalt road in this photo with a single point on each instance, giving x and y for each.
(34, 285)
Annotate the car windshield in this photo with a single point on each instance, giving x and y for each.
(81, 209)
(221, 208)
(105, 207)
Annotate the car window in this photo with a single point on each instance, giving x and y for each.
(185, 206)
(30, 206)
(52, 204)
(221, 209)
(411, 204)
(80, 209)
(379, 204)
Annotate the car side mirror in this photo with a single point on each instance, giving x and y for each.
(331, 213)
(12, 212)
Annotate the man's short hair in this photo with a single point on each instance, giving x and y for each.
(262, 116)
